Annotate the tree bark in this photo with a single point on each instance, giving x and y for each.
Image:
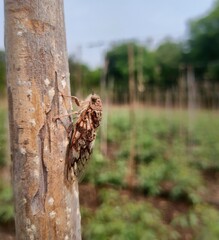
(46, 206)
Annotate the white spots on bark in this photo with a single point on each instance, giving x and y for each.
(66, 237)
(31, 229)
(24, 83)
(51, 93)
(50, 201)
(21, 26)
(23, 151)
(29, 92)
(47, 82)
(58, 221)
(20, 33)
(63, 81)
(68, 210)
(65, 143)
(52, 214)
(68, 214)
(36, 173)
(24, 201)
(36, 160)
(32, 122)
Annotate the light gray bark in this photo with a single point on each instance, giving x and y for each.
(46, 206)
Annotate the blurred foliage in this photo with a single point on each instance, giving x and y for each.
(204, 145)
(159, 67)
(2, 74)
(83, 78)
(166, 156)
(202, 44)
(6, 204)
(201, 219)
(169, 157)
(3, 136)
(118, 72)
(168, 57)
(118, 217)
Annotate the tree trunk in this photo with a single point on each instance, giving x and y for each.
(46, 206)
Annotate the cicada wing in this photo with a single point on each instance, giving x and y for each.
(80, 149)
(79, 163)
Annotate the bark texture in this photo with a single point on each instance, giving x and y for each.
(46, 206)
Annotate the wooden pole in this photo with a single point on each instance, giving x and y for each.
(46, 206)
(104, 94)
(131, 169)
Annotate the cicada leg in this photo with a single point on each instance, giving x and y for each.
(64, 115)
(77, 101)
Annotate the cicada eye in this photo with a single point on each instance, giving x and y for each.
(93, 99)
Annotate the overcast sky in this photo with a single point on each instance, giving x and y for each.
(94, 21)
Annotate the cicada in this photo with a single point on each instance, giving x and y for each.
(82, 135)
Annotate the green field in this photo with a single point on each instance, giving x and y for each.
(174, 192)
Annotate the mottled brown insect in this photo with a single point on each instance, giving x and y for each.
(83, 135)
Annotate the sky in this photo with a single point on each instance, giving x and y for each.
(92, 25)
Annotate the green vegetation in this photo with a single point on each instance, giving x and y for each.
(2, 74)
(167, 152)
(6, 205)
(171, 158)
(200, 220)
(203, 37)
(83, 78)
(118, 217)
(6, 208)
(3, 136)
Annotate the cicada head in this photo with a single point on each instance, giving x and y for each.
(95, 102)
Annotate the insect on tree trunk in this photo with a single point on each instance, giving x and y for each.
(46, 206)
